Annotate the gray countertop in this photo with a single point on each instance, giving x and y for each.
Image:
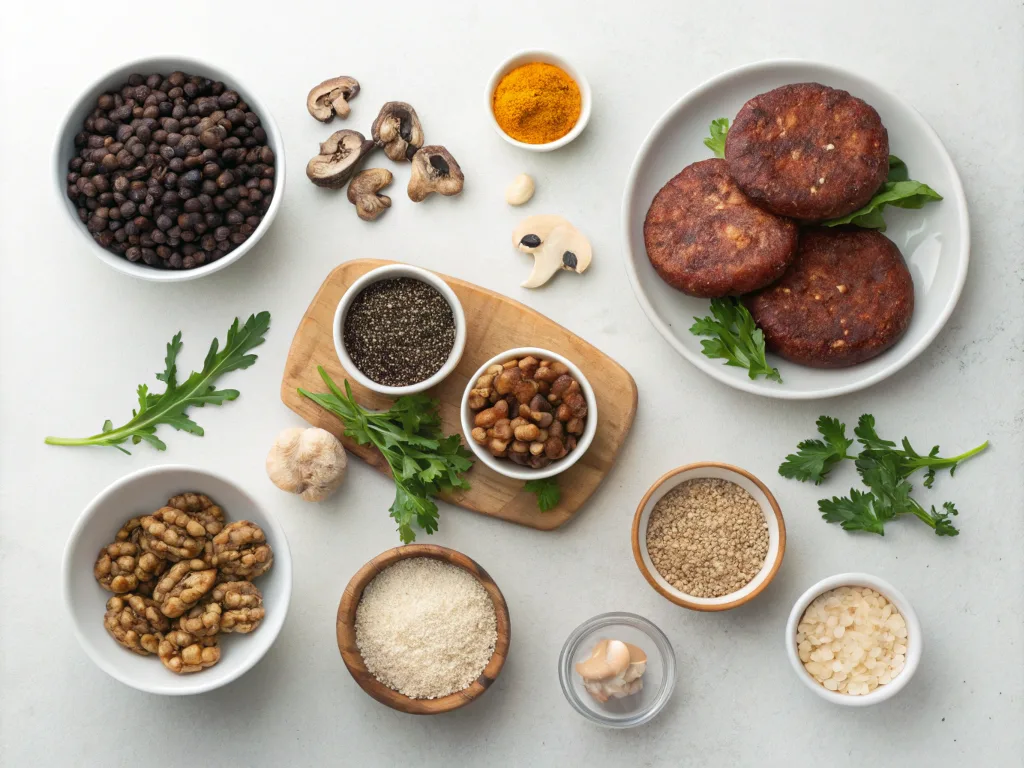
(76, 338)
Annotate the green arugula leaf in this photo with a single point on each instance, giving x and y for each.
(814, 459)
(734, 338)
(424, 462)
(716, 141)
(898, 190)
(547, 491)
(169, 406)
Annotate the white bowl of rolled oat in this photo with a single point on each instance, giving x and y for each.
(708, 536)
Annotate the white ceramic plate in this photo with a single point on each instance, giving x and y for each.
(140, 493)
(935, 240)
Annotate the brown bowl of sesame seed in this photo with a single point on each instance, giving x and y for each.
(708, 536)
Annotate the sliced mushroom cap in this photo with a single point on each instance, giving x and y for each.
(339, 158)
(434, 170)
(363, 192)
(555, 244)
(397, 129)
(331, 98)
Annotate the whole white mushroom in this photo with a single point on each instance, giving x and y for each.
(310, 462)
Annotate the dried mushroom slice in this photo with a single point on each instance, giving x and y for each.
(184, 653)
(202, 508)
(241, 606)
(434, 170)
(204, 620)
(183, 586)
(340, 156)
(397, 129)
(241, 550)
(331, 98)
(135, 622)
(172, 534)
(122, 567)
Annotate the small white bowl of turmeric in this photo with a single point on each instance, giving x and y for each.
(538, 101)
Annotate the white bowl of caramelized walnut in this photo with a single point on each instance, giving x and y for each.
(529, 413)
(176, 580)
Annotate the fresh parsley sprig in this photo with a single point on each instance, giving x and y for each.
(547, 491)
(735, 338)
(424, 462)
(169, 406)
(898, 190)
(814, 459)
(716, 141)
(908, 460)
(883, 467)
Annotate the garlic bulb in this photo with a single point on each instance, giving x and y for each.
(310, 462)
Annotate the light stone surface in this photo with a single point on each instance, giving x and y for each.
(76, 338)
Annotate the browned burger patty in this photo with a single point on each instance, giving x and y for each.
(704, 237)
(808, 151)
(847, 297)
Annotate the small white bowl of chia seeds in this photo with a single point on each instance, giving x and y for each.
(399, 330)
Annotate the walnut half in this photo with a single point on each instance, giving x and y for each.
(172, 534)
(241, 606)
(183, 586)
(135, 622)
(183, 653)
(241, 550)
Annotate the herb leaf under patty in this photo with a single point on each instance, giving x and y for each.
(716, 141)
(734, 338)
(814, 459)
(883, 468)
(898, 190)
(198, 390)
(424, 462)
(547, 491)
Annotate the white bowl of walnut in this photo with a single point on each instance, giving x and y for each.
(176, 580)
(548, 384)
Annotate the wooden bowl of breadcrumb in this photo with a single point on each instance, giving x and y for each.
(708, 536)
(353, 658)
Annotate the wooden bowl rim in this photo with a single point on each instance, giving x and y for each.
(638, 556)
(346, 634)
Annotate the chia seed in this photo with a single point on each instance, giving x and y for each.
(399, 331)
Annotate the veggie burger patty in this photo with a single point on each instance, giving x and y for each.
(847, 297)
(707, 239)
(808, 151)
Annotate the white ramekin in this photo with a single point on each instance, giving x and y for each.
(391, 271)
(915, 641)
(505, 466)
(64, 150)
(544, 57)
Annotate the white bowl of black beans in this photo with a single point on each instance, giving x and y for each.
(180, 174)
(406, 340)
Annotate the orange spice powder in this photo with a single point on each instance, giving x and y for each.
(537, 103)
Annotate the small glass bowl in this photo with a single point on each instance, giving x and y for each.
(659, 679)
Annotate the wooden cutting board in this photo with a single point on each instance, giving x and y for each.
(494, 323)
